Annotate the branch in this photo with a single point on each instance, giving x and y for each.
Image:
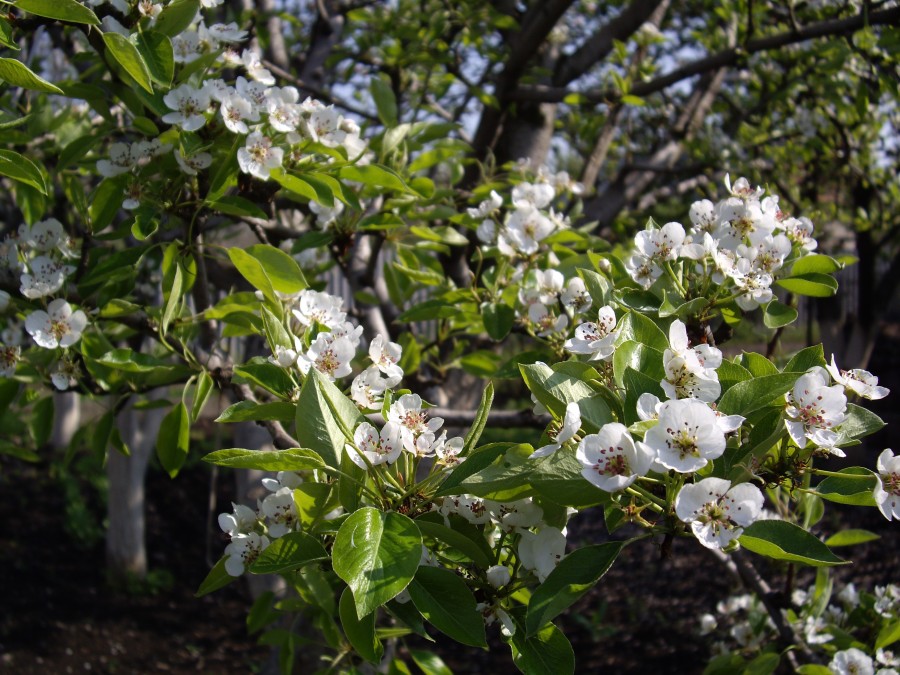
(724, 58)
(280, 438)
(601, 43)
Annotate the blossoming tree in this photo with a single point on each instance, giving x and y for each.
(138, 156)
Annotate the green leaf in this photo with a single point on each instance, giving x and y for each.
(814, 285)
(173, 440)
(21, 169)
(106, 201)
(777, 315)
(854, 486)
(326, 418)
(234, 205)
(731, 373)
(63, 10)
(782, 540)
(850, 538)
(250, 411)
(216, 579)
(475, 462)
(375, 176)
(764, 664)
(498, 319)
(360, 632)
(267, 375)
(639, 357)
(7, 40)
(858, 423)
(292, 459)
(446, 602)
(575, 575)
(815, 264)
(282, 270)
(429, 309)
(555, 389)
(205, 386)
(888, 635)
(503, 480)
(385, 102)
(472, 548)
(429, 662)
(814, 669)
(173, 298)
(547, 653)
(558, 478)
(41, 422)
(757, 365)
(176, 17)
(480, 421)
(128, 56)
(635, 384)
(637, 327)
(805, 359)
(377, 554)
(745, 397)
(155, 49)
(289, 552)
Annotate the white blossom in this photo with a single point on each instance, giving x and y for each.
(814, 409)
(595, 338)
(852, 661)
(611, 459)
(258, 157)
(378, 448)
(243, 551)
(717, 510)
(386, 355)
(570, 425)
(542, 551)
(686, 436)
(190, 105)
(861, 382)
(59, 326)
(413, 421)
(329, 355)
(887, 484)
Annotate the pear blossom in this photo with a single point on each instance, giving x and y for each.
(46, 277)
(236, 111)
(258, 157)
(45, 235)
(349, 330)
(520, 514)
(243, 551)
(717, 510)
(595, 338)
(546, 322)
(541, 551)
(193, 163)
(690, 372)
(536, 195)
(66, 374)
(190, 105)
(610, 458)
(498, 575)
(686, 436)
(9, 358)
(486, 207)
(386, 356)
(255, 69)
(329, 355)
(576, 296)
(367, 388)
(319, 307)
(471, 508)
(407, 412)
(660, 244)
(861, 382)
(378, 448)
(814, 410)
(852, 661)
(887, 484)
(59, 326)
(524, 230)
(448, 450)
(703, 216)
(570, 425)
(647, 407)
(242, 520)
(495, 612)
(281, 510)
(225, 32)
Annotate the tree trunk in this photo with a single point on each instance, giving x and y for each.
(126, 555)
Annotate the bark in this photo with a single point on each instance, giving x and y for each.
(126, 555)
(67, 416)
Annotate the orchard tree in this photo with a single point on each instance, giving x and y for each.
(326, 212)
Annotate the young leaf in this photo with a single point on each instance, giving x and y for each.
(547, 653)
(856, 489)
(216, 579)
(128, 56)
(575, 575)
(473, 547)
(385, 102)
(377, 554)
(172, 443)
(250, 411)
(176, 17)
(292, 459)
(498, 319)
(289, 552)
(481, 417)
(850, 538)
(326, 418)
(782, 540)
(446, 602)
(360, 632)
(745, 397)
(62, 10)
(155, 49)
(20, 168)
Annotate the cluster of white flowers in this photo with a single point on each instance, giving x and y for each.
(740, 243)
(530, 219)
(818, 615)
(39, 257)
(252, 531)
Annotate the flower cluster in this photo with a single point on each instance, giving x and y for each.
(39, 258)
(821, 616)
(740, 244)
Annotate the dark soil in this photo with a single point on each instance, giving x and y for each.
(57, 614)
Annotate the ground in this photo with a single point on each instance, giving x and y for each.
(58, 615)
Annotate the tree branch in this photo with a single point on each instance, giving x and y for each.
(724, 58)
